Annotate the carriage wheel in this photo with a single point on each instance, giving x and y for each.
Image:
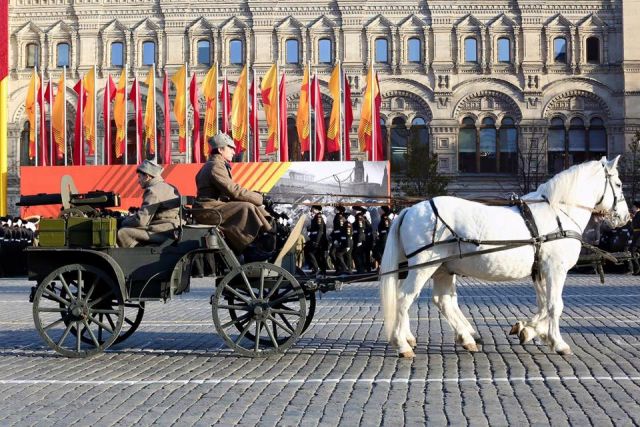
(259, 309)
(133, 314)
(78, 310)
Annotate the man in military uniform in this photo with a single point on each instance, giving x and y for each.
(314, 250)
(159, 214)
(383, 232)
(239, 212)
(342, 246)
(359, 241)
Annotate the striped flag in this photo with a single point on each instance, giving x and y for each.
(333, 131)
(225, 106)
(284, 138)
(109, 94)
(269, 94)
(197, 141)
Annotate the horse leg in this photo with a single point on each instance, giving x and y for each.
(555, 283)
(409, 290)
(526, 331)
(444, 298)
(461, 317)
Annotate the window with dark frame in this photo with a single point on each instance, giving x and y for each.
(33, 55)
(236, 52)
(504, 50)
(204, 52)
(382, 51)
(325, 51)
(414, 50)
(593, 50)
(470, 50)
(117, 54)
(62, 55)
(148, 53)
(560, 50)
(292, 51)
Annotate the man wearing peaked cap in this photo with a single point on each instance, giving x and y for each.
(159, 214)
(239, 212)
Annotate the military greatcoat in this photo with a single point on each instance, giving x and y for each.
(237, 211)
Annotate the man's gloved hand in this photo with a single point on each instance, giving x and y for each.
(267, 202)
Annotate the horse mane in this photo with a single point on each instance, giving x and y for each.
(569, 186)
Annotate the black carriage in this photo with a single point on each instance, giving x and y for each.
(89, 298)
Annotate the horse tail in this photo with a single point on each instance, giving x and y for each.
(393, 255)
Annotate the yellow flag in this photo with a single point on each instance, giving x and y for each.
(239, 119)
(88, 113)
(210, 91)
(334, 89)
(57, 118)
(302, 117)
(119, 114)
(30, 107)
(150, 112)
(269, 92)
(366, 113)
(179, 106)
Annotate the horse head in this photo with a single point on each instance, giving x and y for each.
(612, 204)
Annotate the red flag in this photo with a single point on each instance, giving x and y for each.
(348, 118)
(318, 110)
(44, 140)
(134, 96)
(166, 157)
(225, 105)
(284, 140)
(109, 95)
(253, 121)
(78, 145)
(48, 98)
(197, 141)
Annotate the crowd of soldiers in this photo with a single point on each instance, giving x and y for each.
(352, 244)
(16, 234)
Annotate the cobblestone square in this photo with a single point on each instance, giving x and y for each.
(176, 370)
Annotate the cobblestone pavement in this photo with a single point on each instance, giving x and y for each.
(175, 369)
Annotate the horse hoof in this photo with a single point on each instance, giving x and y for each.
(407, 354)
(525, 336)
(412, 342)
(516, 328)
(565, 352)
(472, 347)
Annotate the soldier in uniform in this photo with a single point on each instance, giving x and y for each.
(383, 232)
(239, 212)
(314, 250)
(342, 246)
(359, 241)
(159, 214)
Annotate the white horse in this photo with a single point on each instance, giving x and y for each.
(565, 202)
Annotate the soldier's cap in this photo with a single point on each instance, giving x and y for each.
(150, 168)
(316, 208)
(359, 209)
(221, 140)
(341, 209)
(386, 209)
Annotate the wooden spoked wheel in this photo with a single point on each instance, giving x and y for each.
(78, 310)
(259, 309)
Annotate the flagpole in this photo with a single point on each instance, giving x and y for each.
(42, 116)
(215, 120)
(309, 103)
(186, 112)
(126, 115)
(50, 88)
(340, 116)
(95, 120)
(249, 153)
(256, 134)
(155, 124)
(278, 130)
(35, 115)
(373, 125)
(106, 151)
(225, 106)
(64, 109)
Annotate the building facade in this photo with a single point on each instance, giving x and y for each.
(498, 89)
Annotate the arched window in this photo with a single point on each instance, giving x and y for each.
(399, 140)
(414, 50)
(325, 51)
(593, 50)
(236, 52)
(204, 52)
(470, 50)
(504, 50)
(597, 139)
(292, 49)
(560, 50)
(577, 142)
(117, 54)
(62, 55)
(32, 55)
(508, 150)
(382, 51)
(488, 142)
(467, 142)
(148, 53)
(556, 137)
